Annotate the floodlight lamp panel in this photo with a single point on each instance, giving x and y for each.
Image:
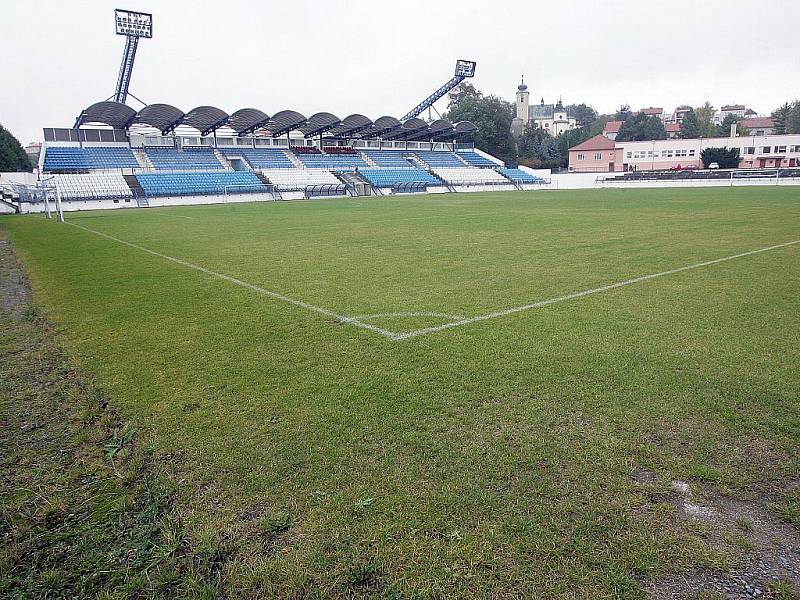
(133, 24)
(465, 68)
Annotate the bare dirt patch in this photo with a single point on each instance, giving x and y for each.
(763, 551)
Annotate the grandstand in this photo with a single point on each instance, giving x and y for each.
(115, 153)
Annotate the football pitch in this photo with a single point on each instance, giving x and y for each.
(449, 395)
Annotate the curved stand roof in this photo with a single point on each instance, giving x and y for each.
(163, 117)
(284, 122)
(319, 123)
(206, 119)
(247, 120)
(109, 113)
(351, 125)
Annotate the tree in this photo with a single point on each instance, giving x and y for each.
(690, 127)
(639, 127)
(584, 114)
(623, 113)
(705, 120)
(538, 149)
(724, 129)
(726, 158)
(787, 117)
(12, 156)
(491, 115)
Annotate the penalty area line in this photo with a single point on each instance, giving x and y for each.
(263, 291)
(509, 311)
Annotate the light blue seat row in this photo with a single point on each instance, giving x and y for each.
(439, 159)
(476, 160)
(182, 184)
(519, 176)
(394, 177)
(387, 158)
(172, 159)
(262, 158)
(70, 158)
(331, 161)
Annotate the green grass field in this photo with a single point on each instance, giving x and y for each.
(493, 458)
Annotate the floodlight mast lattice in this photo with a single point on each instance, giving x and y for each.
(133, 25)
(464, 69)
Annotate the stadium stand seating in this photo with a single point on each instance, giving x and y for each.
(305, 150)
(340, 150)
(519, 176)
(186, 159)
(182, 184)
(394, 177)
(299, 179)
(92, 186)
(71, 158)
(439, 159)
(262, 158)
(476, 160)
(387, 158)
(469, 176)
(332, 161)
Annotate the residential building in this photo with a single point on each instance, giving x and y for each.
(611, 129)
(758, 125)
(596, 155)
(553, 118)
(756, 151)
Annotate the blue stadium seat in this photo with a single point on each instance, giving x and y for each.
(387, 158)
(186, 159)
(262, 158)
(394, 177)
(519, 176)
(439, 159)
(476, 160)
(332, 161)
(182, 184)
(73, 158)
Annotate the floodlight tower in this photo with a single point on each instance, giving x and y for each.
(133, 25)
(464, 69)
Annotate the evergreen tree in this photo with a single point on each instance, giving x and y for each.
(641, 127)
(12, 156)
(690, 127)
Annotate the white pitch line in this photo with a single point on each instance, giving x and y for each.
(409, 314)
(317, 309)
(605, 288)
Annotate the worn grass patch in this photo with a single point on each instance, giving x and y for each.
(81, 514)
(503, 458)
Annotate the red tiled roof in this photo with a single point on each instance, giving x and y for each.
(752, 123)
(652, 111)
(612, 127)
(672, 127)
(598, 142)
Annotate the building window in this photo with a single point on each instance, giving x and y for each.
(780, 149)
(766, 149)
(749, 150)
(795, 149)
(598, 156)
(629, 154)
(580, 156)
(691, 152)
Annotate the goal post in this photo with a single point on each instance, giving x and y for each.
(242, 188)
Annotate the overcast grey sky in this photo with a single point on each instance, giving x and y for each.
(382, 57)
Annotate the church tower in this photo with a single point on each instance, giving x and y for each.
(523, 104)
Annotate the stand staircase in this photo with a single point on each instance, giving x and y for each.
(223, 159)
(143, 159)
(295, 161)
(276, 194)
(138, 192)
